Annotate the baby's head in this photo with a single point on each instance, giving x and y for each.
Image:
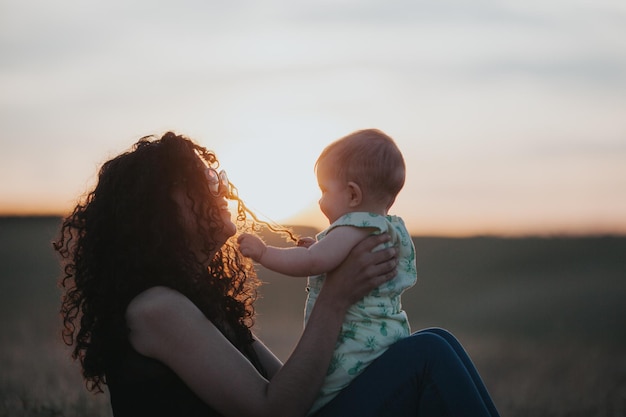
(370, 159)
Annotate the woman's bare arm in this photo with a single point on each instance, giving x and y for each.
(269, 361)
(166, 326)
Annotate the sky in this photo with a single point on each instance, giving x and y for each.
(511, 114)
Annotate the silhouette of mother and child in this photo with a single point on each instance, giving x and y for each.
(159, 290)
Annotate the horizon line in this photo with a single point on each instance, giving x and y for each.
(491, 234)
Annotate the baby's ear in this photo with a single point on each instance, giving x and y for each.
(356, 195)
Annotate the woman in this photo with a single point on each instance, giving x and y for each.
(158, 304)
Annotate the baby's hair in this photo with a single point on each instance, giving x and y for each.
(368, 157)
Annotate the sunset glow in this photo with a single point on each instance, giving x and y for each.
(510, 115)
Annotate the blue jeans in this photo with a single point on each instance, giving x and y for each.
(427, 374)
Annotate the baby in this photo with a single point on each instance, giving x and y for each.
(359, 176)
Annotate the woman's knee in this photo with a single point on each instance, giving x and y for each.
(440, 332)
(424, 344)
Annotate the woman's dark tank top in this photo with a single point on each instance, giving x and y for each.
(141, 386)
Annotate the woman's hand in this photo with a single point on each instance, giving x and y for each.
(361, 272)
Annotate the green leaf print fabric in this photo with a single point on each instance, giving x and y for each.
(376, 321)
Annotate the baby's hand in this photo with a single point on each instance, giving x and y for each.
(251, 246)
(305, 242)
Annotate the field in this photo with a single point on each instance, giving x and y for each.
(543, 319)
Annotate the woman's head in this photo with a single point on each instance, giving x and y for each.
(157, 189)
(369, 159)
(153, 218)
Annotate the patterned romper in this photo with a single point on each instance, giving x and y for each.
(375, 322)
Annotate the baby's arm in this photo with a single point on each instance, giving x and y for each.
(299, 261)
(305, 241)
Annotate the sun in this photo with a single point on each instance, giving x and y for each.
(275, 181)
(271, 157)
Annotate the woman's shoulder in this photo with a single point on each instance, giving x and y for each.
(160, 303)
(154, 300)
(156, 313)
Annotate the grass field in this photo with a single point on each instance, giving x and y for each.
(543, 318)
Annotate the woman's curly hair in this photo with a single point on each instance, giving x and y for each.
(127, 235)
